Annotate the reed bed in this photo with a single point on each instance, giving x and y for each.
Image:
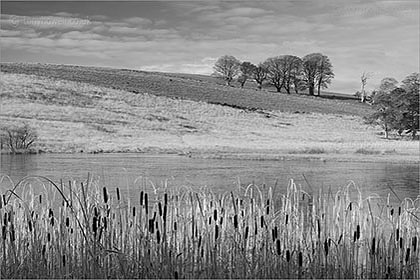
(84, 230)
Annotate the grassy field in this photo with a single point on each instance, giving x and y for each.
(75, 116)
(85, 230)
(190, 87)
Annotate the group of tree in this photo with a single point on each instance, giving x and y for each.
(288, 72)
(396, 107)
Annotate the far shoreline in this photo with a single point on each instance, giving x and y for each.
(244, 155)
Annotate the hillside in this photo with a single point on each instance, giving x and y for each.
(191, 87)
(73, 116)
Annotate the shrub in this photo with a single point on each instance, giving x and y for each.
(17, 139)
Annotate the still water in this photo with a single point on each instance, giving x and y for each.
(126, 170)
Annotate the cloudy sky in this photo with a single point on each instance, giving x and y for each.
(380, 37)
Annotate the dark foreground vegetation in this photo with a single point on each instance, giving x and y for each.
(90, 231)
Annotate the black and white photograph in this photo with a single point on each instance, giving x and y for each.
(193, 139)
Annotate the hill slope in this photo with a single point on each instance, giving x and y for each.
(191, 87)
(73, 117)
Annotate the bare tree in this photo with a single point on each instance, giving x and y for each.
(260, 74)
(324, 73)
(363, 79)
(227, 67)
(275, 72)
(247, 69)
(292, 71)
(18, 138)
(317, 71)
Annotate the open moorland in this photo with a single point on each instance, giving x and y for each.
(86, 109)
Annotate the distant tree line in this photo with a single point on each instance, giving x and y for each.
(291, 73)
(396, 107)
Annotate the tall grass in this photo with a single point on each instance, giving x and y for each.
(87, 230)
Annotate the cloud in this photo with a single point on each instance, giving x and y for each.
(138, 21)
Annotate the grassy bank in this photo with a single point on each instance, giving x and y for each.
(95, 232)
(79, 117)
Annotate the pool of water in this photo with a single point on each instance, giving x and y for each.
(130, 171)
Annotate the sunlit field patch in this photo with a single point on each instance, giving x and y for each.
(80, 230)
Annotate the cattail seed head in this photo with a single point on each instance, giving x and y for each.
(165, 212)
(414, 243)
(278, 250)
(288, 256)
(158, 236)
(209, 220)
(319, 228)
(151, 226)
(215, 214)
(67, 222)
(392, 212)
(40, 199)
(262, 221)
(358, 232)
(256, 228)
(141, 198)
(146, 203)
(3, 232)
(216, 232)
(401, 242)
(287, 219)
(160, 209)
(48, 237)
(326, 247)
(399, 211)
(407, 255)
(397, 234)
(165, 199)
(134, 211)
(175, 226)
(94, 224)
(30, 226)
(105, 195)
(64, 260)
(373, 246)
(235, 221)
(300, 259)
(354, 236)
(118, 194)
(246, 232)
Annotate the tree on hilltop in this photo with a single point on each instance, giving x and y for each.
(260, 74)
(317, 71)
(275, 75)
(227, 67)
(246, 72)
